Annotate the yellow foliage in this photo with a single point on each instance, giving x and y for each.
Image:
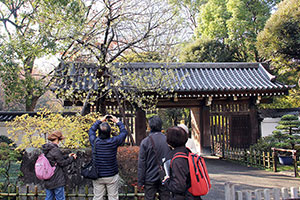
(33, 131)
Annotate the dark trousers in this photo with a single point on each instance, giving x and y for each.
(151, 189)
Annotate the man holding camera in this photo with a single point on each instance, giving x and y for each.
(106, 156)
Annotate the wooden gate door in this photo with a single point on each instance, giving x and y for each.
(229, 126)
(240, 134)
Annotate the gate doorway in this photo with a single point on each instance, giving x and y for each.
(229, 126)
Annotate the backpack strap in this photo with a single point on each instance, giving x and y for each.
(178, 155)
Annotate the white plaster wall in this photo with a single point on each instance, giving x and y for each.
(3, 130)
(268, 126)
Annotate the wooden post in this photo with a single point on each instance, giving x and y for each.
(8, 192)
(264, 159)
(274, 156)
(295, 163)
(17, 193)
(135, 193)
(67, 193)
(269, 160)
(27, 192)
(140, 126)
(36, 194)
(86, 188)
(76, 192)
(126, 190)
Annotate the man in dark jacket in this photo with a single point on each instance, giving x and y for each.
(152, 149)
(106, 156)
(55, 185)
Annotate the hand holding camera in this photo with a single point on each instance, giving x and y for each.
(110, 118)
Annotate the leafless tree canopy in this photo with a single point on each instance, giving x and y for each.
(115, 26)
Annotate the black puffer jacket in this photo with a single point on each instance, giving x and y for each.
(147, 163)
(55, 156)
(179, 181)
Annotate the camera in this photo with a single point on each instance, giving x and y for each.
(108, 117)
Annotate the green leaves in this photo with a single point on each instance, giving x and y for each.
(206, 50)
(33, 29)
(234, 23)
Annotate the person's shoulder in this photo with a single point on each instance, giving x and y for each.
(144, 141)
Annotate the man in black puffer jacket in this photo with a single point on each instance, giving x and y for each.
(106, 157)
(152, 149)
(55, 185)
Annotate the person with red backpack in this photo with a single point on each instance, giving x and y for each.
(179, 180)
(55, 185)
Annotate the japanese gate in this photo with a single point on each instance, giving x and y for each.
(222, 97)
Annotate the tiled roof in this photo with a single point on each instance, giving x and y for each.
(6, 116)
(200, 78)
(278, 113)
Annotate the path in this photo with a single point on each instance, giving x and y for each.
(221, 171)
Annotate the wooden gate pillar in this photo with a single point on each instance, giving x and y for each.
(195, 123)
(205, 130)
(201, 128)
(140, 126)
(254, 123)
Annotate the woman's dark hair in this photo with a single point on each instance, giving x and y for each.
(104, 130)
(155, 123)
(176, 137)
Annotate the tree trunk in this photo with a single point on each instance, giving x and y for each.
(31, 103)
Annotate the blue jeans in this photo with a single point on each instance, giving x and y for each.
(58, 193)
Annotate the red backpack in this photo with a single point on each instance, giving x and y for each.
(200, 182)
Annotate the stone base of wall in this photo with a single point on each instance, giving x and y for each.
(72, 172)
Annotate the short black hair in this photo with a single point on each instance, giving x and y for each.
(176, 136)
(155, 123)
(104, 130)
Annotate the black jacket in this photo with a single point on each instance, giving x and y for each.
(55, 156)
(179, 181)
(147, 163)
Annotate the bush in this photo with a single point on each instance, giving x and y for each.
(128, 164)
(9, 158)
(7, 140)
(33, 131)
(285, 137)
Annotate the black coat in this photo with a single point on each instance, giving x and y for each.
(148, 160)
(179, 181)
(55, 156)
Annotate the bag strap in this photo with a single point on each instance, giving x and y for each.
(154, 149)
(94, 152)
(178, 155)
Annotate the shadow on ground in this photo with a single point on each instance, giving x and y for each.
(246, 178)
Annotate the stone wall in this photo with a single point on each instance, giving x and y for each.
(127, 159)
(72, 172)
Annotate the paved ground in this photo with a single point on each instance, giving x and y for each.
(248, 178)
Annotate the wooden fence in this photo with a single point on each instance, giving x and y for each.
(261, 194)
(265, 160)
(35, 194)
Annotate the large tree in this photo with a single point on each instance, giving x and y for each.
(279, 44)
(206, 50)
(31, 29)
(235, 23)
(116, 27)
